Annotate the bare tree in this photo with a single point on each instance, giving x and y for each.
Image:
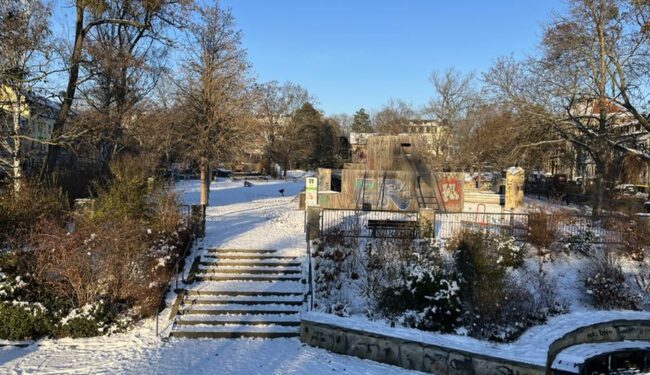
(23, 62)
(454, 99)
(454, 96)
(156, 130)
(344, 121)
(393, 117)
(275, 105)
(121, 67)
(498, 136)
(215, 95)
(591, 78)
(141, 15)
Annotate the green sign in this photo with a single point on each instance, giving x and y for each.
(311, 191)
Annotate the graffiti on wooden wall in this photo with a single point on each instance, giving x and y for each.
(380, 192)
(451, 191)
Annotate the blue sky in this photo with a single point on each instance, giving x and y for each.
(360, 53)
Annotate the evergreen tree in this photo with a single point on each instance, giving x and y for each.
(361, 122)
(316, 139)
(305, 126)
(327, 144)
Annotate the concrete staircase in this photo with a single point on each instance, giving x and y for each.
(241, 293)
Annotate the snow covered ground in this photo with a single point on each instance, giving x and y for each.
(239, 217)
(257, 217)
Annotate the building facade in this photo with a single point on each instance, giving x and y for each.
(36, 119)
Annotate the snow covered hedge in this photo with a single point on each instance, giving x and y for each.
(92, 272)
(472, 286)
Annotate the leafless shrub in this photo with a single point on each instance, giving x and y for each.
(606, 284)
(541, 231)
(635, 234)
(19, 210)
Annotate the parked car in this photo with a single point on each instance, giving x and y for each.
(643, 191)
(627, 189)
(487, 176)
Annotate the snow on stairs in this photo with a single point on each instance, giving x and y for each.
(242, 293)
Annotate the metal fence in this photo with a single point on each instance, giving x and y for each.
(185, 211)
(447, 225)
(370, 224)
(585, 228)
(568, 228)
(194, 216)
(396, 224)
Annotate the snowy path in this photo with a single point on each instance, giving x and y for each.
(255, 217)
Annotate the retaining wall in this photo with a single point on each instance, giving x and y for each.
(407, 353)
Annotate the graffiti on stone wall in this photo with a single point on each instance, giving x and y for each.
(409, 354)
(380, 192)
(613, 331)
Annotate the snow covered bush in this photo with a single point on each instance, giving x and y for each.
(606, 285)
(91, 320)
(331, 270)
(23, 320)
(582, 242)
(426, 300)
(119, 255)
(495, 305)
(510, 254)
(119, 261)
(27, 310)
(476, 258)
(544, 290)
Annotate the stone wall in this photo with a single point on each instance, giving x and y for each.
(617, 330)
(408, 354)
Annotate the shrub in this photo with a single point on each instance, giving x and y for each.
(167, 216)
(606, 284)
(118, 261)
(510, 254)
(19, 211)
(582, 242)
(541, 232)
(430, 300)
(127, 194)
(496, 307)
(89, 320)
(475, 260)
(95, 260)
(22, 321)
(545, 294)
(93, 271)
(636, 238)
(332, 258)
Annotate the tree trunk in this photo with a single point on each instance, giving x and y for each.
(16, 165)
(62, 115)
(599, 189)
(285, 166)
(205, 181)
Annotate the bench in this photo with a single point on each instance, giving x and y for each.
(408, 226)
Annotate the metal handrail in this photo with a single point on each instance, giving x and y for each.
(310, 290)
(441, 202)
(182, 258)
